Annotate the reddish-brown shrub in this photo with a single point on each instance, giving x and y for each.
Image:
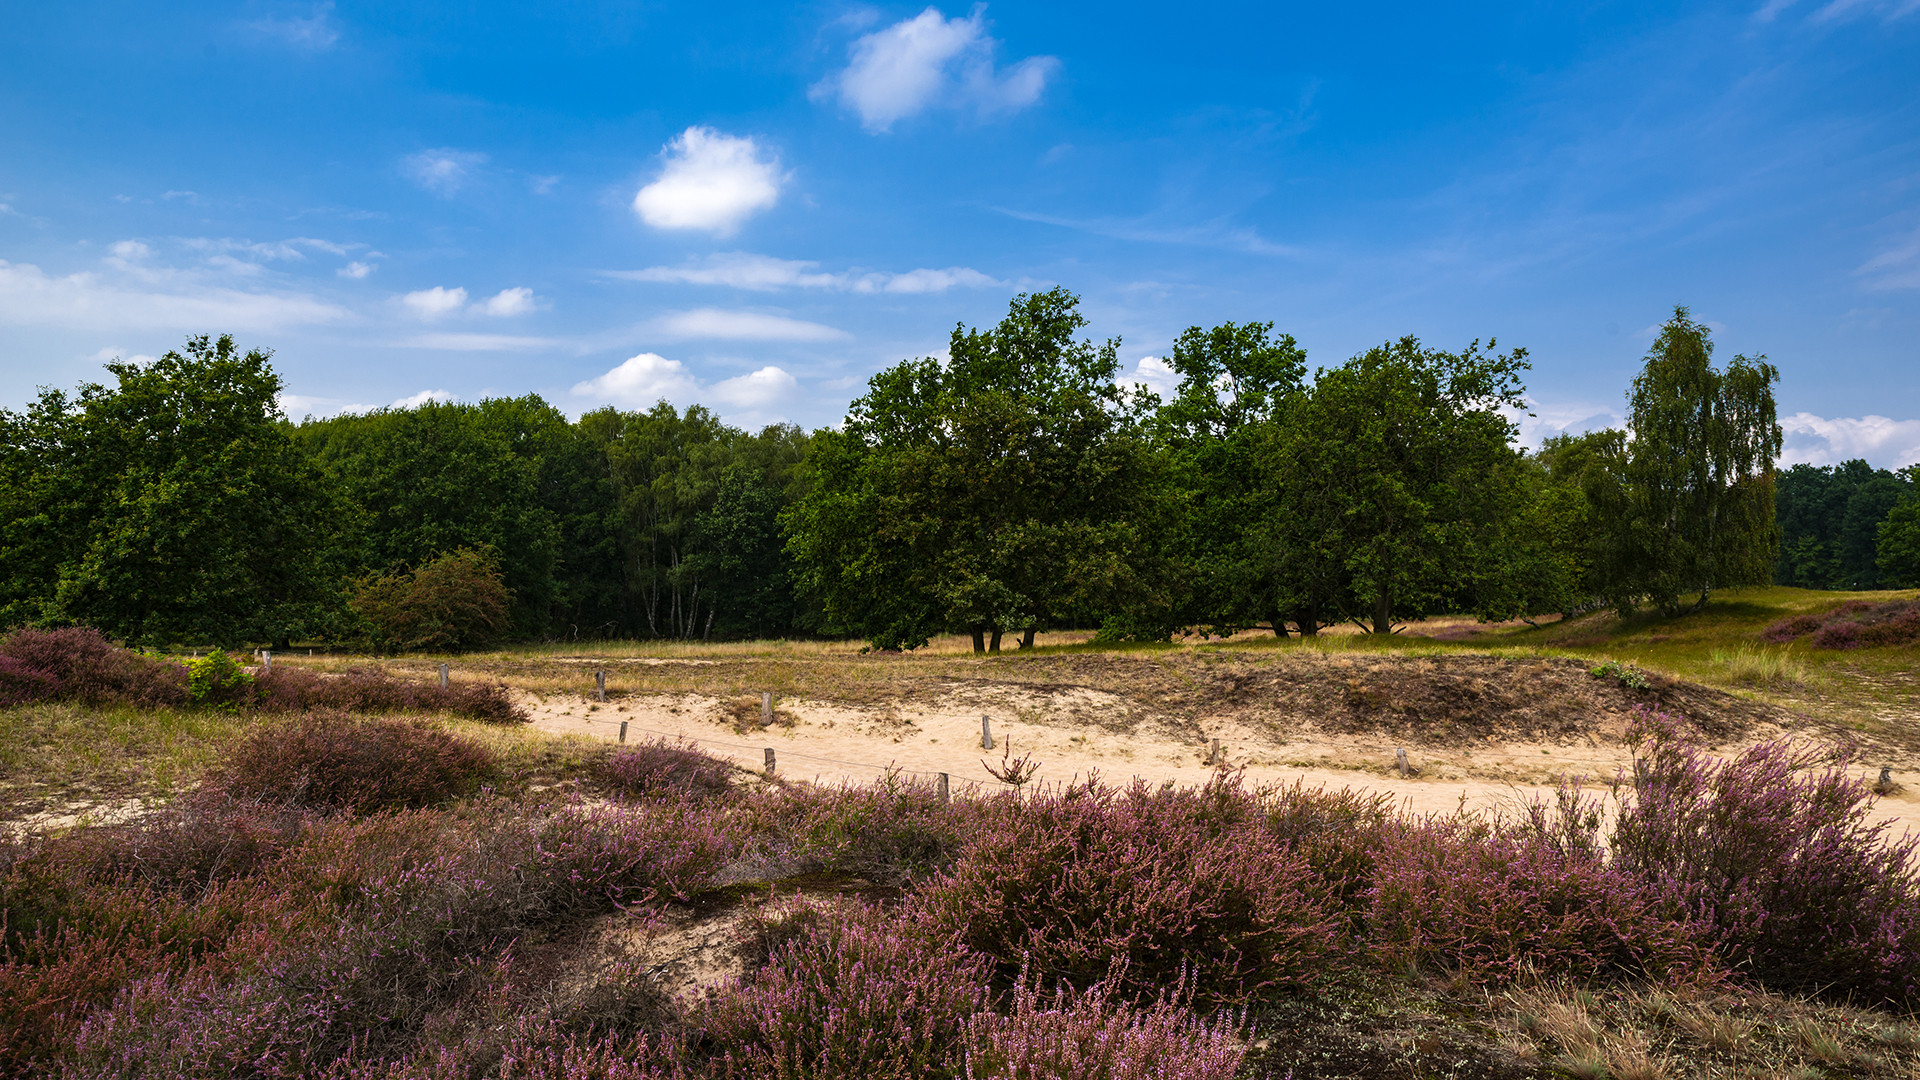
(332, 760)
(662, 769)
(366, 689)
(1852, 625)
(1088, 881)
(84, 666)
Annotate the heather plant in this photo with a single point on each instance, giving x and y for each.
(1093, 1035)
(1492, 903)
(856, 993)
(334, 761)
(895, 831)
(1085, 881)
(1776, 849)
(79, 664)
(637, 854)
(367, 689)
(1855, 624)
(663, 769)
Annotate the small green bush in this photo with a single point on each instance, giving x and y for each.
(218, 680)
(1626, 674)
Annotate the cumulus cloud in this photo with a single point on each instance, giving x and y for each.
(508, 302)
(355, 270)
(145, 298)
(1151, 373)
(722, 325)
(755, 390)
(414, 401)
(711, 182)
(1880, 440)
(764, 273)
(442, 171)
(930, 61)
(435, 302)
(640, 381)
(314, 30)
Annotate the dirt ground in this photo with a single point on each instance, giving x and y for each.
(1479, 731)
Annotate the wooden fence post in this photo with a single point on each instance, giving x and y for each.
(443, 676)
(600, 685)
(1213, 753)
(941, 789)
(769, 761)
(986, 733)
(766, 708)
(623, 731)
(266, 660)
(1400, 761)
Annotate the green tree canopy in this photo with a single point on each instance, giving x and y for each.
(996, 491)
(171, 506)
(1688, 496)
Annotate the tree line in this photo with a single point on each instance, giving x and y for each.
(1015, 486)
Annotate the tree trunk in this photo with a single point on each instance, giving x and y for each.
(1307, 621)
(994, 645)
(1026, 637)
(979, 638)
(1383, 614)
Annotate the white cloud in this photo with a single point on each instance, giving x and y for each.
(1883, 442)
(711, 181)
(31, 297)
(1152, 373)
(316, 30)
(755, 390)
(130, 250)
(640, 381)
(442, 171)
(478, 342)
(355, 270)
(508, 302)
(929, 61)
(764, 273)
(714, 323)
(435, 302)
(414, 401)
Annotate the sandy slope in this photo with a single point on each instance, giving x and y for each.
(824, 742)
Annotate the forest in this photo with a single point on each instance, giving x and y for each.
(1014, 486)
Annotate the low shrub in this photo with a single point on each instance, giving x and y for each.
(894, 832)
(1093, 1035)
(79, 664)
(454, 601)
(662, 769)
(1776, 849)
(366, 689)
(217, 680)
(854, 994)
(1493, 904)
(1855, 624)
(1087, 881)
(335, 761)
(642, 853)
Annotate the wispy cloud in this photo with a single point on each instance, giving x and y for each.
(1898, 267)
(1218, 233)
(148, 298)
(508, 303)
(711, 182)
(442, 171)
(721, 325)
(764, 273)
(315, 29)
(930, 61)
(473, 342)
(414, 401)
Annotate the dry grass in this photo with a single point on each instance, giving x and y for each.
(1758, 665)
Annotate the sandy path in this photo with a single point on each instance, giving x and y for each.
(834, 744)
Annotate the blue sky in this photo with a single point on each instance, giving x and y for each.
(758, 206)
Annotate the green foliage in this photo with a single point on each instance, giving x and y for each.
(998, 491)
(1898, 542)
(171, 506)
(1688, 500)
(455, 601)
(1829, 520)
(1625, 674)
(218, 680)
(1395, 484)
